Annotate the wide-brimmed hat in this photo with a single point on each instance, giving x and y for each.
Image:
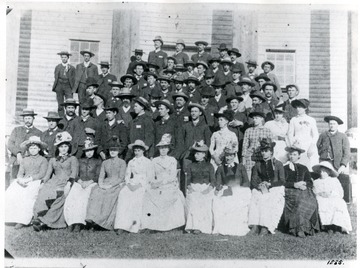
(71, 102)
(335, 118)
(201, 42)
(262, 76)
(171, 58)
(251, 62)
(292, 85)
(180, 94)
(166, 103)
(165, 140)
(200, 146)
(300, 103)
(88, 104)
(269, 84)
(197, 105)
(258, 94)
(213, 59)
(33, 140)
(253, 114)
(155, 93)
(28, 111)
(137, 63)
(279, 108)
(62, 137)
(89, 144)
(52, 116)
(209, 74)
(219, 83)
(146, 75)
(88, 52)
(227, 114)
(138, 51)
(114, 144)
(101, 96)
(222, 47)
(203, 63)
(104, 63)
(246, 80)
(111, 107)
(207, 91)
(294, 148)
(234, 50)
(266, 143)
(123, 78)
(328, 166)
(64, 53)
(272, 66)
(168, 71)
(138, 143)
(158, 38)
(90, 131)
(143, 102)
(192, 79)
(236, 70)
(189, 62)
(116, 84)
(91, 81)
(234, 97)
(226, 61)
(230, 148)
(180, 67)
(164, 78)
(153, 64)
(178, 79)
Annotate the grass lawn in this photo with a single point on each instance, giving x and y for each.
(176, 245)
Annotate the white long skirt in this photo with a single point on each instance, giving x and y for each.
(199, 209)
(266, 209)
(129, 209)
(163, 209)
(334, 211)
(19, 202)
(231, 212)
(76, 203)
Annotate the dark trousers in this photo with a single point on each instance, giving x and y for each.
(62, 90)
(82, 92)
(346, 185)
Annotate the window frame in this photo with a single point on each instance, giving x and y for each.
(77, 54)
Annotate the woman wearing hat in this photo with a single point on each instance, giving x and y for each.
(300, 212)
(267, 191)
(139, 173)
(221, 138)
(21, 194)
(61, 173)
(279, 128)
(334, 215)
(77, 201)
(164, 203)
(252, 138)
(103, 199)
(232, 198)
(303, 133)
(200, 182)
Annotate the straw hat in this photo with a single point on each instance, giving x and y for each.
(33, 140)
(138, 143)
(200, 146)
(165, 140)
(62, 137)
(89, 144)
(327, 165)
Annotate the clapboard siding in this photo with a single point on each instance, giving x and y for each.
(320, 100)
(222, 29)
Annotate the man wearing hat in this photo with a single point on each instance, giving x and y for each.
(19, 135)
(207, 93)
(219, 99)
(138, 59)
(201, 55)
(202, 68)
(292, 92)
(141, 83)
(268, 67)
(234, 54)
(125, 108)
(334, 147)
(158, 56)
(180, 69)
(226, 70)
(181, 113)
(260, 80)
(192, 91)
(91, 87)
(258, 102)
(105, 78)
(233, 88)
(70, 114)
(271, 101)
(251, 66)
(165, 86)
(246, 84)
(215, 62)
(151, 79)
(222, 51)
(48, 136)
(178, 84)
(154, 96)
(99, 112)
(116, 87)
(82, 72)
(179, 55)
(171, 62)
(64, 80)
(108, 129)
(190, 65)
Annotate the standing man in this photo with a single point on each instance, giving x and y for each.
(158, 56)
(180, 56)
(251, 66)
(246, 84)
(104, 79)
(138, 59)
(166, 92)
(271, 101)
(261, 79)
(83, 71)
(293, 92)
(201, 55)
(19, 135)
(234, 54)
(192, 90)
(268, 67)
(226, 70)
(233, 88)
(125, 110)
(141, 83)
(223, 51)
(48, 136)
(99, 103)
(181, 113)
(207, 94)
(334, 147)
(65, 124)
(64, 80)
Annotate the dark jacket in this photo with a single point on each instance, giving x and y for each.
(49, 139)
(131, 67)
(271, 171)
(301, 173)
(159, 58)
(19, 135)
(142, 128)
(70, 74)
(103, 81)
(223, 172)
(82, 73)
(105, 134)
(289, 111)
(203, 57)
(89, 169)
(181, 58)
(162, 127)
(66, 125)
(201, 172)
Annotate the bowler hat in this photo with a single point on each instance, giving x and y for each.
(234, 97)
(209, 74)
(258, 94)
(83, 52)
(200, 146)
(226, 61)
(180, 94)
(279, 108)
(266, 143)
(28, 111)
(189, 63)
(111, 107)
(197, 105)
(251, 62)
(155, 93)
(158, 38)
(326, 165)
(171, 58)
(89, 144)
(213, 59)
(203, 64)
(292, 85)
(192, 79)
(246, 80)
(101, 96)
(168, 71)
(91, 81)
(64, 53)
(165, 140)
(104, 63)
(294, 148)
(62, 137)
(52, 116)
(164, 78)
(180, 67)
(335, 118)
(87, 105)
(138, 51)
(116, 84)
(33, 140)
(234, 50)
(207, 91)
(180, 41)
(269, 84)
(143, 102)
(262, 76)
(253, 114)
(201, 42)
(146, 75)
(153, 64)
(300, 103)
(137, 63)
(272, 66)
(222, 47)
(219, 83)
(71, 102)
(236, 70)
(138, 143)
(123, 78)
(178, 79)
(227, 114)
(166, 103)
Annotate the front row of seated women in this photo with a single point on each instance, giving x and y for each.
(145, 196)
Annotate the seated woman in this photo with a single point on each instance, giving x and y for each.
(21, 194)
(77, 201)
(231, 202)
(61, 172)
(220, 139)
(300, 212)
(267, 199)
(164, 203)
(333, 212)
(103, 199)
(200, 192)
(138, 175)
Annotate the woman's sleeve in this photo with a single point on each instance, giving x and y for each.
(49, 170)
(281, 175)
(42, 170)
(337, 190)
(245, 142)
(122, 172)
(150, 172)
(315, 132)
(218, 177)
(21, 172)
(102, 173)
(291, 131)
(212, 144)
(128, 172)
(74, 167)
(173, 171)
(97, 171)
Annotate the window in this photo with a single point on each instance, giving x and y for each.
(78, 45)
(284, 61)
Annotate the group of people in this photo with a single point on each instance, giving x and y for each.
(195, 144)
